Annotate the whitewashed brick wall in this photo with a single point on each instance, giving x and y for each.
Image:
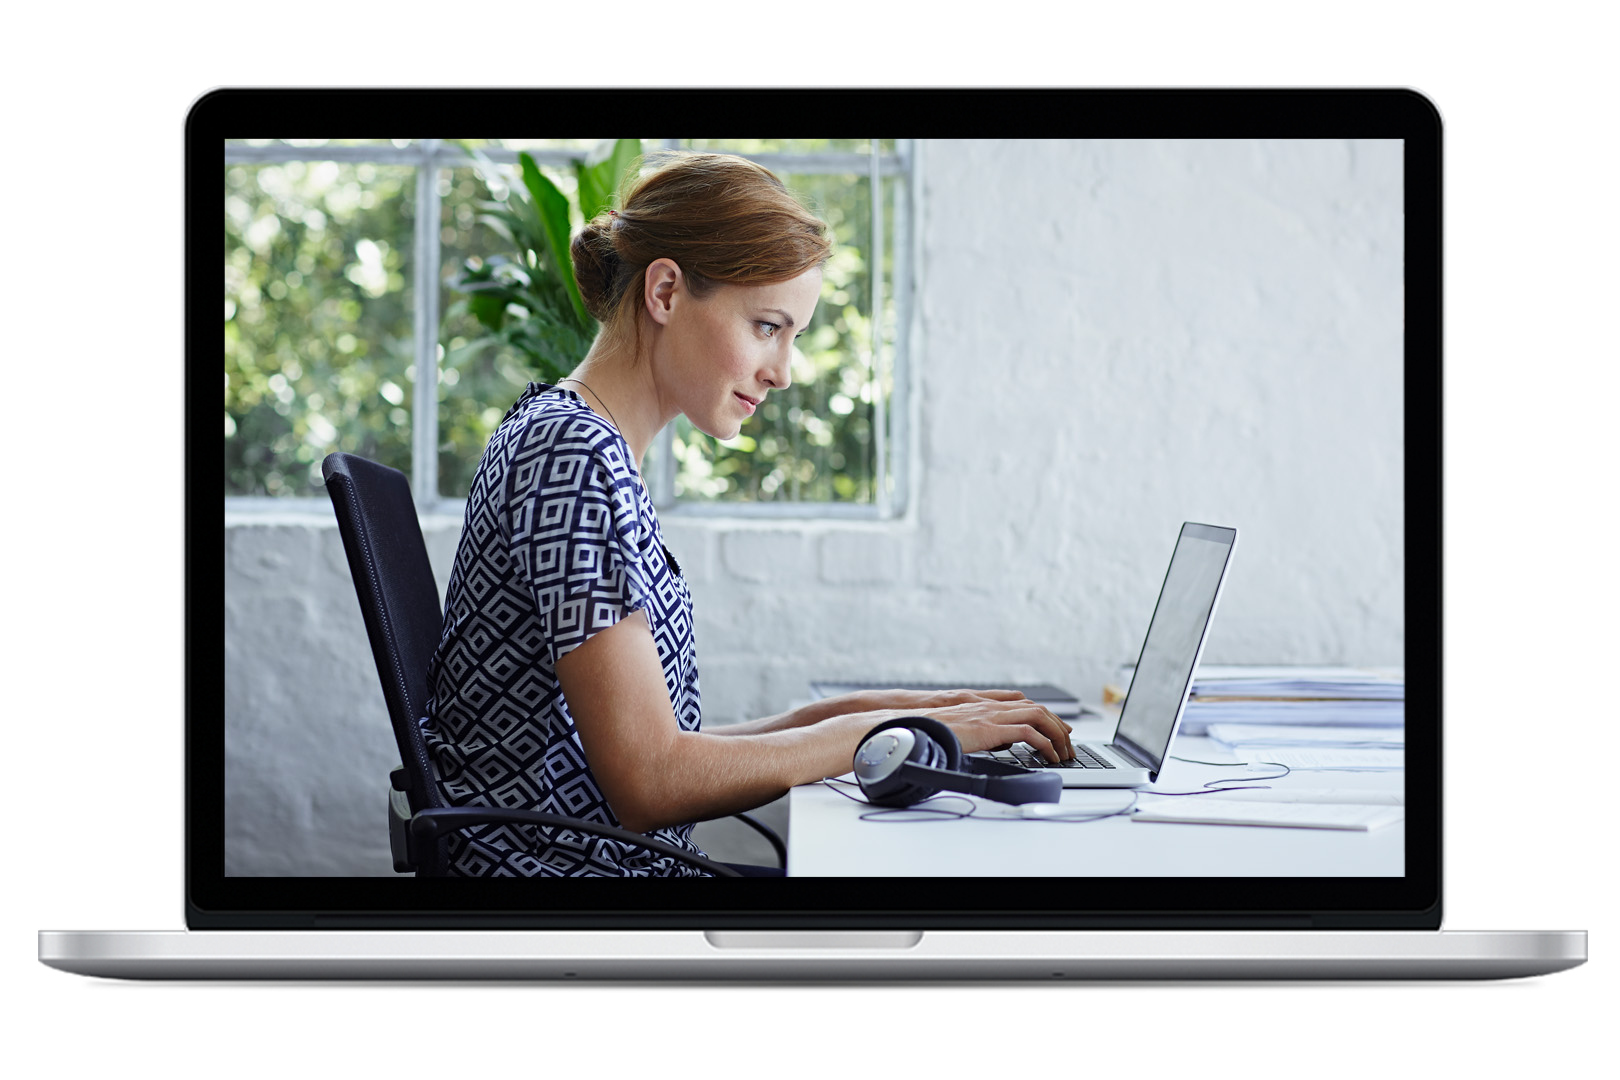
(1115, 338)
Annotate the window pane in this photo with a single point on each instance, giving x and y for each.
(816, 441)
(318, 333)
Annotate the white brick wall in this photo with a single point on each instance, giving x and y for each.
(1116, 337)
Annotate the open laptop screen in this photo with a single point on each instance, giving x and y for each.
(1036, 352)
(1175, 639)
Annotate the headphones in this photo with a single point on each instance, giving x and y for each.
(909, 759)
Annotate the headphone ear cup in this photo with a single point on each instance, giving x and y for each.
(941, 735)
(897, 791)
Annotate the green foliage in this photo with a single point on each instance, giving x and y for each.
(526, 297)
(318, 333)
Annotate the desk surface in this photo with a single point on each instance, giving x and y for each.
(827, 837)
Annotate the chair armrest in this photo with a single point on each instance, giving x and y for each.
(768, 833)
(428, 826)
(399, 831)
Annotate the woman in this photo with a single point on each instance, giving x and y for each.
(566, 679)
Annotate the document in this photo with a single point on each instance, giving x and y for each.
(1303, 735)
(1218, 810)
(1201, 715)
(1311, 757)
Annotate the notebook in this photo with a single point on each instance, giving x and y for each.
(1148, 311)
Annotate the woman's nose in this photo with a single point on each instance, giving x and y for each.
(780, 374)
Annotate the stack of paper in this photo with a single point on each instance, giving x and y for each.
(1202, 713)
(1328, 718)
(1295, 697)
(1228, 683)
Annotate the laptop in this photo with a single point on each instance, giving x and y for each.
(285, 699)
(1162, 679)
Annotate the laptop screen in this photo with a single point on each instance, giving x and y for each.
(1175, 639)
(1033, 354)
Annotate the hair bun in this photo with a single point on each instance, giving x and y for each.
(596, 266)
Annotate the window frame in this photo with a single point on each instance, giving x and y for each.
(891, 426)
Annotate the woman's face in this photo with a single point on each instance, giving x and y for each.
(716, 358)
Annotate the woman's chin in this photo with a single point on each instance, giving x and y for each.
(716, 428)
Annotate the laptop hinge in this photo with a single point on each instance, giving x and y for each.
(1133, 753)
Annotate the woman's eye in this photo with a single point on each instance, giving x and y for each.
(770, 328)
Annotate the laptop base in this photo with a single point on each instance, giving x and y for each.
(809, 956)
(812, 986)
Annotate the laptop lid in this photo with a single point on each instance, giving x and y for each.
(1256, 273)
(1162, 677)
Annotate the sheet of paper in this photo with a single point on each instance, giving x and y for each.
(1307, 735)
(1215, 810)
(1261, 793)
(1299, 757)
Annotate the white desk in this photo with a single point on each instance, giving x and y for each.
(827, 837)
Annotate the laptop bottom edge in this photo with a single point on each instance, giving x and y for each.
(783, 956)
(865, 985)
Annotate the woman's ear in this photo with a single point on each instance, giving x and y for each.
(659, 288)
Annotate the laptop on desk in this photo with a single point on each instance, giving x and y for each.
(1147, 195)
(1157, 697)
(1151, 712)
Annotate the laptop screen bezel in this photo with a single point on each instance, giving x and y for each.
(1411, 901)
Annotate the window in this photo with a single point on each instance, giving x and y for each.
(343, 330)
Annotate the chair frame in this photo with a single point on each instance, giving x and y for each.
(419, 820)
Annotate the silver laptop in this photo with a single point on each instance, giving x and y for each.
(1157, 697)
(258, 922)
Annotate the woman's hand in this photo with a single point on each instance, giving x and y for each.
(986, 722)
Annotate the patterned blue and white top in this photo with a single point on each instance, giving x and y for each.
(560, 542)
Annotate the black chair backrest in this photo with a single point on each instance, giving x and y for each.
(394, 581)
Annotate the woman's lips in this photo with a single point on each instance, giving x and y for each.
(748, 403)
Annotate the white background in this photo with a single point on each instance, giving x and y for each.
(95, 102)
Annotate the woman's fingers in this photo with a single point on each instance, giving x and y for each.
(1048, 735)
(1046, 747)
(994, 724)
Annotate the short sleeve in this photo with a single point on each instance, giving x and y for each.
(576, 530)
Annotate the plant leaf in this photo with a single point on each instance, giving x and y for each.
(477, 345)
(489, 308)
(552, 208)
(599, 180)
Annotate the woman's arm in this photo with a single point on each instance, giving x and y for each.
(654, 774)
(869, 701)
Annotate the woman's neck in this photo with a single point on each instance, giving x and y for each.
(621, 391)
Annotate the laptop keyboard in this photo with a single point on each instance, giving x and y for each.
(1023, 755)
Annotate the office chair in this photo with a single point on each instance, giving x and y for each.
(400, 602)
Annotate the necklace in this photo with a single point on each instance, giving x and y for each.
(595, 395)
